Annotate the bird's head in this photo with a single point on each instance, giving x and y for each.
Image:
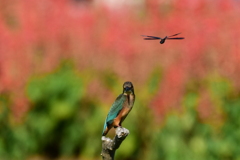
(128, 88)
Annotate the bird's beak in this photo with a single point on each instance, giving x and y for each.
(128, 89)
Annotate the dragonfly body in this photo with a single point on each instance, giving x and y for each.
(162, 40)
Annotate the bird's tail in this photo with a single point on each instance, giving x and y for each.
(104, 128)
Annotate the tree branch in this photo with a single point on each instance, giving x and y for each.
(110, 146)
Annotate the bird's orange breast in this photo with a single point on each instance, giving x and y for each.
(121, 116)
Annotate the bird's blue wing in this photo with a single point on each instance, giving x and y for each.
(114, 110)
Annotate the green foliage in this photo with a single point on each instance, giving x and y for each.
(4, 127)
(61, 121)
(185, 136)
(56, 100)
(64, 122)
(154, 81)
(182, 136)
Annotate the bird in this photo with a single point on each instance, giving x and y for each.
(162, 40)
(120, 108)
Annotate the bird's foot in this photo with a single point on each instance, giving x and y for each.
(121, 132)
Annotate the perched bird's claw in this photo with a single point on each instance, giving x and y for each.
(122, 132)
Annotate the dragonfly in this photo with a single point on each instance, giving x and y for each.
(162, 40)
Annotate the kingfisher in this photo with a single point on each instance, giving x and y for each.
(162, 40)
(120, 108)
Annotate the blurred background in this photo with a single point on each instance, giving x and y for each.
(63, 63)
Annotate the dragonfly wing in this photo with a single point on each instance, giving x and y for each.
(176, 38)
(151, 37)
(174, 35)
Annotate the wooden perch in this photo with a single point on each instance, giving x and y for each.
(109, 146)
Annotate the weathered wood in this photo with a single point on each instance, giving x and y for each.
(109, 146)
